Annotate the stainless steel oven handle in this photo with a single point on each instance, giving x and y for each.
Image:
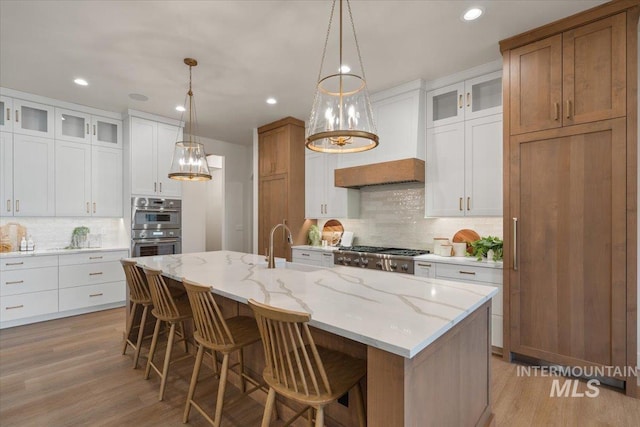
(145, 241)
(159, 210)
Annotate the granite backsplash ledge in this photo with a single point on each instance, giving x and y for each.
(393, 215)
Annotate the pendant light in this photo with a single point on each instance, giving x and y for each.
(189, 161)
(341, 118)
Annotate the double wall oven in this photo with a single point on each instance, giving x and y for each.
(156, 226)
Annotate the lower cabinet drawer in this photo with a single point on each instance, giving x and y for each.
(302, 255)
(469, 273)
(16, 282)
(88, 296)
(89, 274)
(307, 261)
(496, 330)
(27, 305)
(327, 259)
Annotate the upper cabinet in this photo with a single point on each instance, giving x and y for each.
(27, 118)
(273, 151)
(6, 114)
(322, 198)
(75, 126)
(151, 149)
(575, 77)
(470, 99)
(33, 176)
(399, 118)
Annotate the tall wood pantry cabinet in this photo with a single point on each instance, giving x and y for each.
(570, 165)
(281, 184)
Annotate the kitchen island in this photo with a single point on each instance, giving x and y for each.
(426, 341)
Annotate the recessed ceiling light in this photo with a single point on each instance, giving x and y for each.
(345, 69)
(181, 108)
(472, 13)
(81, 82)
(138, 97)
(272, 101)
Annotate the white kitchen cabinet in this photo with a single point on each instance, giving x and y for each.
(88, 180)
(312, 256)
(6, 114)
(424, 269)
(92, 279)
(6, 174)
(77, 126)
(399, 120)
(464, 168)
(470, 99)
(28, 287)
(34, 119)
(152, 145)
(322, 198)
(33, 176)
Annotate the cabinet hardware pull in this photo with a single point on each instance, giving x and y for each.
(15, 263)
(515, 243)
(557, 108)
(87, 128)
(468, 99)
(460, 203)
(95, 274)
(155, 188)
(17, 116)
(95, 257)
(568, 108)
(94, 130)
(17, 205)
(94, 207)
(423, 265)
(15, 306)
(161, 187)
(15, 282)
(96, 295)
(8, 205)
(327, 255)
(8, 114)
(467, 272)
(87, 207)
(460, 101)
(305, 254)
(468, 203)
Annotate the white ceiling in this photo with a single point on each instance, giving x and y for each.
(247, 51)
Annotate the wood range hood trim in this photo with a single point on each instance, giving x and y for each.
(393, 172)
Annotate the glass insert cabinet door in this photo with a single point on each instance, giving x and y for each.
(106, 132)
(446, 105)
(31, 118)
(73, 126)
(483, 96)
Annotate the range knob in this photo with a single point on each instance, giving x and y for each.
(347, 261)
(404, 267)
(379, 264)
(364, 262)
(143, 234)
(340, 259)
(393, 265)
(356, 261)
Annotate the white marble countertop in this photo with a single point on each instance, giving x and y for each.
(398, 313)
(316, 248)
(466, 260)
(58, 251)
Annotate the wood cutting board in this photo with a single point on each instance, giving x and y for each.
(11, 234)
(332, 232)
(467, 236)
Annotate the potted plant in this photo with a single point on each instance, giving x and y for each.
(487, 247)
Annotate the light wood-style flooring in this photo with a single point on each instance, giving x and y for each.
(69, 372)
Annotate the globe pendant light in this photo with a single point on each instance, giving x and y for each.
(189, 159)
(341, 118)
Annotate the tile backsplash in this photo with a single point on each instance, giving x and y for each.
(50, 233)
(393, 215)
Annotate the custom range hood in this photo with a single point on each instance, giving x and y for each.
(393, 172)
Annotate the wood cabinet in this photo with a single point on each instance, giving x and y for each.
(88, 180)
(322, 198)
(76, 126)
(464, 168)
(570, 149)
(281, 184)
(151, 150)
(575, 77)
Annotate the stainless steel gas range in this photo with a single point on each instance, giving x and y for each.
(378, 258)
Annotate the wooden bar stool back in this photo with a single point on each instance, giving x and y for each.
(166, 308)
(298, 369)
(139, 296)
(214, 332)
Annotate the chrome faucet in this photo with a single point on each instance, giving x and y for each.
(271, 263)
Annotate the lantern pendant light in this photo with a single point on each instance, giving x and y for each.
(189, 159)
(341, 118)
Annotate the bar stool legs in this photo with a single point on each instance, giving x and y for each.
(138, 344)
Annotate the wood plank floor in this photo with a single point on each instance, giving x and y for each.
(69, 372)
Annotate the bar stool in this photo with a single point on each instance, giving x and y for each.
(218, 334)
(299, 370)
(139, 296)
(167, 309)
